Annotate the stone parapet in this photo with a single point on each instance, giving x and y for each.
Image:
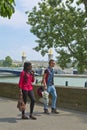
(68, 97)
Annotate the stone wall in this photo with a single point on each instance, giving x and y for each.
(72, 98)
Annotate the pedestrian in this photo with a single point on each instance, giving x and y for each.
(48, 83)
(25, 84)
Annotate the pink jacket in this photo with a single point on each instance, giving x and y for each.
(26, 85)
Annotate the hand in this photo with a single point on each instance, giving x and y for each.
(20, 91)
(32, 72)
(45, 87)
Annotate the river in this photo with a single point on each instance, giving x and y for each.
(60, 80)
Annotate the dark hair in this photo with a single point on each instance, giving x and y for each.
(51, 60)
(26, 65)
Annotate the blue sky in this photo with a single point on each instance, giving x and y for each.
(15, 36)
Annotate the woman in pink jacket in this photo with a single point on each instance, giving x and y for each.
(25, 84)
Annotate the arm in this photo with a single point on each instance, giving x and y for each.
(21, 80)
(33, 76)
(44, 80)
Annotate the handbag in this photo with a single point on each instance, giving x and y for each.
(45, 96)
(20, 104)
(40, 90)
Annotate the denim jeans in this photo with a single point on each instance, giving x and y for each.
(51, 90)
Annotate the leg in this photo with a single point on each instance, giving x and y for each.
(54, 96)
(25, 101)
(54, 99)
(32, 103)
(46, 105)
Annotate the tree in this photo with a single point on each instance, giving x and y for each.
(1, 63)
(7, 62)
(62, 26)
(7, 8)
(85, 3)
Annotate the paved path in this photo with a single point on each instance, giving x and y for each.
(10, 118)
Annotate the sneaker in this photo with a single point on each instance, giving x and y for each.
(24, 117)
(55, 111)
(46, 111)
(32, 117)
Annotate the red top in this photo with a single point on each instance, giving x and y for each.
(26, 85)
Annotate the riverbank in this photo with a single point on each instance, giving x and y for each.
(71, 75)
(59, 80)
(71, 98)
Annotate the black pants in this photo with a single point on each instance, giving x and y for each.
(29, 94)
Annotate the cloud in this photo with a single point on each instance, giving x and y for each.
(19, 18)
(17, 52)
(27, 4)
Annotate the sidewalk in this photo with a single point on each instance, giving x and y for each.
(10, 118)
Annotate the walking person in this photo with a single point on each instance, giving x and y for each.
(25, 84)
(48, 82)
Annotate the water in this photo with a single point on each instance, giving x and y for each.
(69, 81)
(9, 79)
(59, 80)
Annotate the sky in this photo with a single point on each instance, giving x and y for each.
(15, 35)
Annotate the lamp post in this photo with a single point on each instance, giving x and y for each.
(50, 54)
(23, 58)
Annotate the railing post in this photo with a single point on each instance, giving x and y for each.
(85, 84)
(66, 83)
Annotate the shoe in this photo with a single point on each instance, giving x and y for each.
(54, 111)
(24, 117)
(46, 111)
(32, 117)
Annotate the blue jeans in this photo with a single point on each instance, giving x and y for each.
(51, 90)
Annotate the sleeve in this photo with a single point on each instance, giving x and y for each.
(44, 79)
(46, 71)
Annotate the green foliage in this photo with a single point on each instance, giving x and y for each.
(63, 27)
(1, 63)
(7, 62)
(7, 8)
